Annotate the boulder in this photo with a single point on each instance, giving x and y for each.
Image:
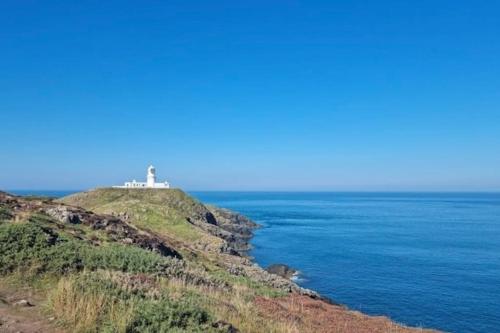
(22, 303)
(282, 270)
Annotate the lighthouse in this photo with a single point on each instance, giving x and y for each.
(151, 179)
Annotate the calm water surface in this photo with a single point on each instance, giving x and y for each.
(430, 260)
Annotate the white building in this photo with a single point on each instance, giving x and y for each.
(150, 182)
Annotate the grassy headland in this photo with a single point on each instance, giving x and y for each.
(119, 260)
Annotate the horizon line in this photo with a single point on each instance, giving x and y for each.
(277, 190)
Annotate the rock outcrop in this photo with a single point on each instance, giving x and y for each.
(239, 229)
(281, 270)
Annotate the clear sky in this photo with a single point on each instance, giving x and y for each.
(251, 95)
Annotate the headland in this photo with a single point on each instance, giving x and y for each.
(155, 260)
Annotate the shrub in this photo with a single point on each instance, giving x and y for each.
(28, 247)
(164, 315)
(32, 248)
(129, 259)
(5, 214)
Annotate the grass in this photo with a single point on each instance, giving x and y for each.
(99, 197)
(96, 302)
(164, 212)
(236, 306)
(158, 218)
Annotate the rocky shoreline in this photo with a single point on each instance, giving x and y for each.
(240, 229)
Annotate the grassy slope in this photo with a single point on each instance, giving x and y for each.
(121, 288)
(91, 282)
(161, 211)
(165, 212)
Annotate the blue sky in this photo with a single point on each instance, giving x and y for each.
(257, 95)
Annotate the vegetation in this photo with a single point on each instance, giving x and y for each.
(40, 250)
(91, 281)
(5, 213)
(164, 212)
(100, 302)
(120, 288)
(95, 284)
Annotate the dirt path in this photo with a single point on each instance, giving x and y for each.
(18, 317)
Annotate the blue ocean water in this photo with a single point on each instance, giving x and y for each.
(423, 259)
(48, 193)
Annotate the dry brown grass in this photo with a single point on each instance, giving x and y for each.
(241, 307)
(81, 312)
(237, 306)
(85, 310)
(304, 314)
(120, 314)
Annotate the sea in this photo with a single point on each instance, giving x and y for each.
(429, 260)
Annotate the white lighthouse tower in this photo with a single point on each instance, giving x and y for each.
(151, 179)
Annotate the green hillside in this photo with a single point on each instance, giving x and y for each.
(163, 211)
(119, 260)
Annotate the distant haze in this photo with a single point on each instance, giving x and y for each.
(282, 95)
